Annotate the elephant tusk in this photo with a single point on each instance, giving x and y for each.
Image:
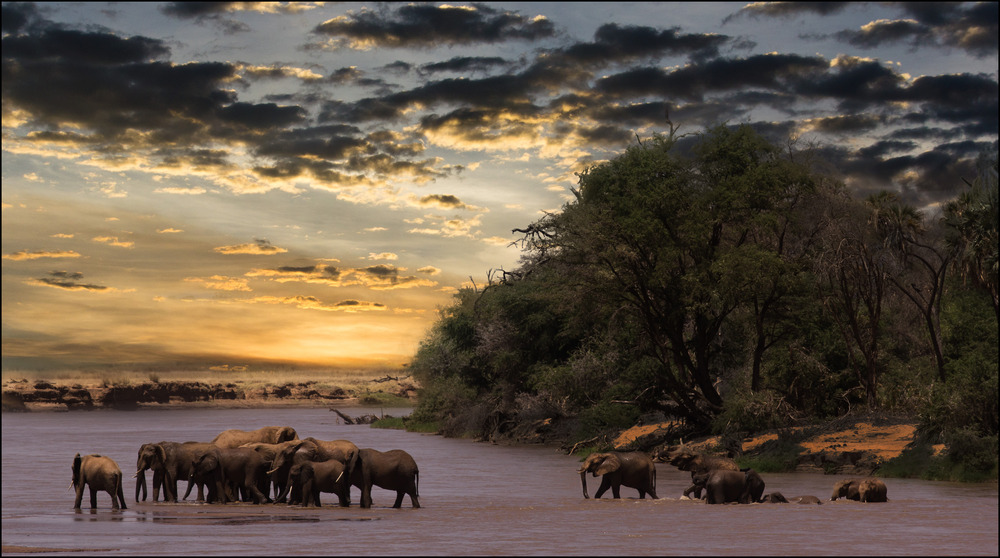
(271, 472)
(339, 476)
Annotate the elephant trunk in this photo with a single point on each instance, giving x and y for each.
(583, 481)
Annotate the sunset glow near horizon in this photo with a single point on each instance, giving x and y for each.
(310, 182)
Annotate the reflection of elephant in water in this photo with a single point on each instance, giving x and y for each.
(779, 498)
(724, 486)
(700, 465)
(98, 473)
(242, 470)
(311, 449)
(267, 434)
(391, 470)
(851, 489)
(632, 469)
(312, 477)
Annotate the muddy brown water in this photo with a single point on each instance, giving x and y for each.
(477, 498)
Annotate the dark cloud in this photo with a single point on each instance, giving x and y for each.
(616, 43)
(69, 281)
(462, 64)
(970, 27)
(18, 16)
(767, 71)
(427, 25)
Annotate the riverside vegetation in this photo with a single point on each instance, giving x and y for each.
(724, 285)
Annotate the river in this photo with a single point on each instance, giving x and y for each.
(476, 498)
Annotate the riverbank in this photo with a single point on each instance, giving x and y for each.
(859, 445)
(84, 393)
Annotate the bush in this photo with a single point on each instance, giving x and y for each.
(752, 412)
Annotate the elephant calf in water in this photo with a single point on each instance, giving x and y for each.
(98, 473)
(632, 469)
(309, 478)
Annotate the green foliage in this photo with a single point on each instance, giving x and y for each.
(394, 423)
(709, 281)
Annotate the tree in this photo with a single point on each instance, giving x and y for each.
(922, 262)
(681, 241)
(972, 223)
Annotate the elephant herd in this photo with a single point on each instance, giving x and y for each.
(251, 466)
(720, 478)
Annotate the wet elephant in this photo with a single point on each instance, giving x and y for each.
(310, 478)
(392, 470)
(154, 458)
(851, 489)
(724, 486)
(98, 472)
(268, 434)
(779, 498)
(699, 464)
(243, 471)
(177, 458)
(631, 469)
(269, 452)
(311, 449)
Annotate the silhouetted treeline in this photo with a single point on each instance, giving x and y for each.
(735, 285)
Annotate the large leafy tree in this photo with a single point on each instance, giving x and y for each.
(681, 240)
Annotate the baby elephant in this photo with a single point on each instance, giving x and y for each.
(99, 473)
(633, 469)
(313, 477)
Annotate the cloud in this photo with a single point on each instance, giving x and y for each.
(34, 255)
(114, 241)
(382, 256)
(426, 25)
(313, 303)
(260, 246)
(376, 277)
(221, 283)
(69, 281)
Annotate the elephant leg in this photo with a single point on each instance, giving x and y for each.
(605, 485)
(399, 499)
(79, 496)
(414, 501)
(93, 497)
(616, 490)
(140, 484)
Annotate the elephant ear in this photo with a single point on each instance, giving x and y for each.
(610, 464)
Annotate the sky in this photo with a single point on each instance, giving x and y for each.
(244, 184)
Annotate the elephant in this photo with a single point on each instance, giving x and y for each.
(98, 472)
(687, 459)
(153, 457)
(177, 459)
(779, 498)
(723, 486)
(851, 489)
(632, 469)
(242, 470)
(872, 490)
(267, 434)
(311, 449)
(312, 477)
(269, 452)
(391, 470)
